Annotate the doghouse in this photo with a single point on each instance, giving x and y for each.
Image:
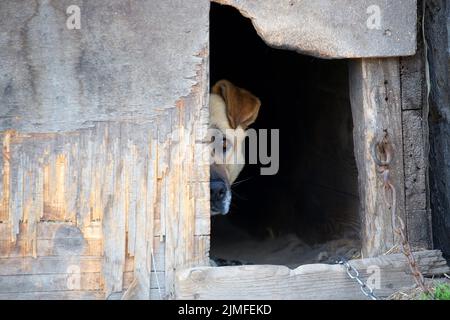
(104, 192)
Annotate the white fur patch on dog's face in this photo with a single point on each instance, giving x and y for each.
(219, 120)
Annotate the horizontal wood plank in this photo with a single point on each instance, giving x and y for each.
(314, 281)
(52, 265)
(71, 295)
(89, 281)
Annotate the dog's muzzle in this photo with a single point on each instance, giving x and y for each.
(220, 196)
(220, 190)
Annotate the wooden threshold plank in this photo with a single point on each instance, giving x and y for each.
(314, 281)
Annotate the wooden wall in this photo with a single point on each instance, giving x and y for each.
(102, 135)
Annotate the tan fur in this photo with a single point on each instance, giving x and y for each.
(233, 108)
(242, 106)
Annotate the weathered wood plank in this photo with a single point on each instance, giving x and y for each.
(201, 250)
(114, 214)
(53, 264)
(70, 246)
(324, 28)
(439, 121)
(69, 295)
(179, 209)
(55, 176)
(87, 281)
(94, 84)
(418, 217)
(415, 143)
(200, 172)
(50, 282)
(48, 230)
(315, 281)
(415, 166)
(202, 224)
(5, 165)
(412, 76)
(54, 295)
(419, 228)
(376, 111)
(145, 254)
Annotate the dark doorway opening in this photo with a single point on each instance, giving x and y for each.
(308, 212)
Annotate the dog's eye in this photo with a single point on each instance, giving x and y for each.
(224, 145)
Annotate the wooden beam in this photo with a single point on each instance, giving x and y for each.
(415, 143)
(314, 281)
(376, 110)
(333, 29)
(439, 121)
(70, 295)
(418, 217)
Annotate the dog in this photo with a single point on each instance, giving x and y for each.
(232, 110)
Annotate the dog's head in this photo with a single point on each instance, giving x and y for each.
(232, 110)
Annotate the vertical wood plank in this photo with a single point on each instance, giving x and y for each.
(376, 109)
(418, 219)
(415, 142)
(114, 215)
(436, 34)
(5, 165)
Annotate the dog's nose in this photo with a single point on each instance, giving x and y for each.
(218, 190)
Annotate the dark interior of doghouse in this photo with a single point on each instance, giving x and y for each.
(308, 211)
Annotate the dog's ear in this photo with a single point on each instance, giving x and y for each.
(242, 106)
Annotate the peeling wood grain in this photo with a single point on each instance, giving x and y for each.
(113, 221)
(183, 214)
(144, 247)
(93, 176)
(37, 229)
(5, 165)
(54, 189)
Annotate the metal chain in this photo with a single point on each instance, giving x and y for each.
(385, 148)
(354, 275)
